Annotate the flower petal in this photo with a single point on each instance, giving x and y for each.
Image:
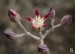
(29, 19)
(46, 16)
(36, 12)
(44, 25)
(32, 27)
(50, 13)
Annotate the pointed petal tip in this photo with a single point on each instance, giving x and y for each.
(51, 8)
(10, 9)
(11, 12)
(36, 12)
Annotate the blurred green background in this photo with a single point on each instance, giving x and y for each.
(59, 42)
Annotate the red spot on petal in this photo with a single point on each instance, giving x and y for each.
(28, 18)
(32, 27)
(36, 12)
(44, 25)
(52, 12)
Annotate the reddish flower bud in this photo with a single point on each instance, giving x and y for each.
(52, 12)
(13, 15)
(43, 48)
(66, 20)
(9, 34)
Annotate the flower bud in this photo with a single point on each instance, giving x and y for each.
(13, 15)
(52, 12)
(43, 48)
(9, 34)
(66, 20)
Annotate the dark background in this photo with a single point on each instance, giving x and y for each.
(59, 42)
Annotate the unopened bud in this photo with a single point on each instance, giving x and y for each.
(43, 48)
(66, 20)
(13, 15)
(52, 12)
(9, 34)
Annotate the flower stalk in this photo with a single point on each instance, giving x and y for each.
(51, 29)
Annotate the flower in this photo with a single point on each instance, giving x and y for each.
(13, 15)
(66, 20)
(38, 22)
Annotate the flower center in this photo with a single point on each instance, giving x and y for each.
(38, 22)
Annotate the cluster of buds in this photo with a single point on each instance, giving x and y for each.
(37, 24)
